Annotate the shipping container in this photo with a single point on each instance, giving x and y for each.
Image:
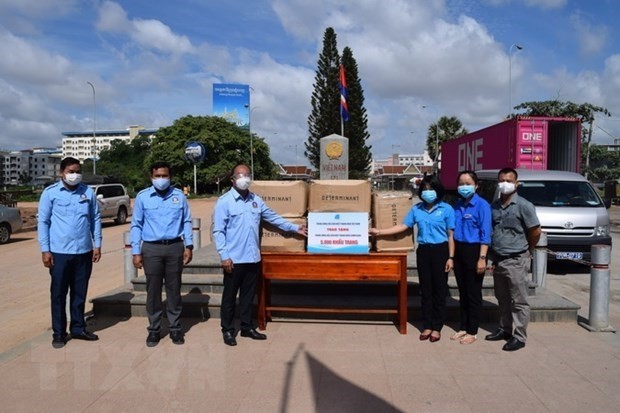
(522, 142)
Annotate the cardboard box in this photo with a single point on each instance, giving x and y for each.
(274, 239)
(389, 209)
(286, 198)
(339, 196)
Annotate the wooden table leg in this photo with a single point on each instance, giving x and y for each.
(402, 299)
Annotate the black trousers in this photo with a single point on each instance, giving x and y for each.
(163, 265)
(242, 280)
(470, 285)
(431, 260)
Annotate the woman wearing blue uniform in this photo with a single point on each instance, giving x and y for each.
(472, 236)
(435, 252)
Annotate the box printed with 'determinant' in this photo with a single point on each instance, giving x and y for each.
(286, 198)
(339, 196)
(274, 239)
(389, 209)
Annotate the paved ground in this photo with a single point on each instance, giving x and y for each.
(302, 367)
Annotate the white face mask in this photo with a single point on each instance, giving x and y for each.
(506, 188)
(72, 179)
(243, 182)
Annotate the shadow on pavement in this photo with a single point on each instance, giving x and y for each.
(564, 268)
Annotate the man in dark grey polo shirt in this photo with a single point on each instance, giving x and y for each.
(516, 231)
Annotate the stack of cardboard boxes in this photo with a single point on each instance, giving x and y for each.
(292, 199)
(289, 199)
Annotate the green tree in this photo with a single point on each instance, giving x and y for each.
(586, 112)
(324, 119)
(226, 145)
(125, 160)
(445, 129)
(356, 129)
(604, 164)
(24, 178)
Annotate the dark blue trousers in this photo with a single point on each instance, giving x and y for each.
(70, 273)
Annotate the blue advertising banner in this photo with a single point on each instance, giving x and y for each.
(232, 102)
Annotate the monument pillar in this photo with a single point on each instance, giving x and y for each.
(334, 157)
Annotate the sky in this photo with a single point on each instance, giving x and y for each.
(153, 61)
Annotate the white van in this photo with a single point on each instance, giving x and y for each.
(569, 209)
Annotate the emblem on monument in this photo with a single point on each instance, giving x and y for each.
(334, 150)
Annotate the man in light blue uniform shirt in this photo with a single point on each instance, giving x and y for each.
(236, 222)
(69, 233)
(161, 241)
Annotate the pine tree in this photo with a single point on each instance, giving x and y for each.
(356, 129)
(324, 119)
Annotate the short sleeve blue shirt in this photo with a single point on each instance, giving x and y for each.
(473, 221)
(433, 224)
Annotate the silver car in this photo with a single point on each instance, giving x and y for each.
(113, 201)
(10, 222)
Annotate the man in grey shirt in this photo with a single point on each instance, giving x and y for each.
(516, 231)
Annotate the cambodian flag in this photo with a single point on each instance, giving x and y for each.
(344, 108)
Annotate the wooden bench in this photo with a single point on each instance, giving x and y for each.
(301, 266)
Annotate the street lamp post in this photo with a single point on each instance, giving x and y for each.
(518, 47)
(251, 138)
(94, 129)
(296, 157)
(296, 160)
(436, 160)
(394, 158)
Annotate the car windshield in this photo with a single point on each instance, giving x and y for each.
(558, 193)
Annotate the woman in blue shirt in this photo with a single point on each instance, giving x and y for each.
(472, 235)
(435, 221)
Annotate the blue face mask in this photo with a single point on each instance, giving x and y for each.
(429, 196)
(466, 191)
(161, 184)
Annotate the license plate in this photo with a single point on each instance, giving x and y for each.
(569, 255)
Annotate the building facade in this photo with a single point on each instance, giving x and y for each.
(87, 145)
(30, 166)
(422, 159)
(400, 171)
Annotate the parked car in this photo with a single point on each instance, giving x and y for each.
(10, 222)
(113, 201)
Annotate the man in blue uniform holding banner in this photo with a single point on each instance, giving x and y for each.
(236, 221)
